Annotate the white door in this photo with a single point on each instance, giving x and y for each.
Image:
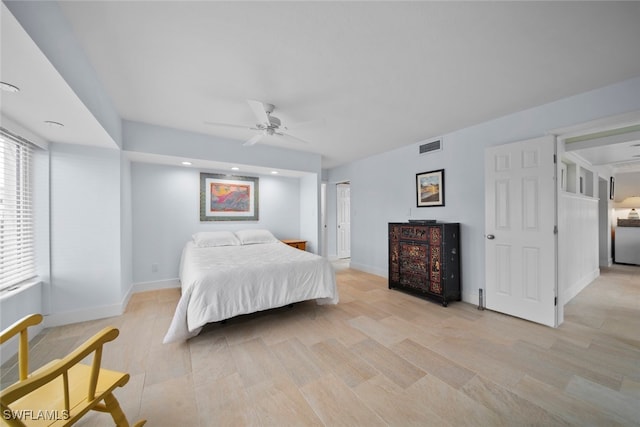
(344, 220)
(520, 237)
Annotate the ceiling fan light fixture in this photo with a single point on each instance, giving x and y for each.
(267, 125)
(274, 121)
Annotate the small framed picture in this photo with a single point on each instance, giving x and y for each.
(430, 188)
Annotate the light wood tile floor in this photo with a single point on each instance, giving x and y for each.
(379, 357)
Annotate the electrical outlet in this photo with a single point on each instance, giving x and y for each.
(154, 268)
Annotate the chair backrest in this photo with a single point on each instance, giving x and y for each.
(20, 327)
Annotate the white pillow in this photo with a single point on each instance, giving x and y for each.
(205, 239)
(251, 237)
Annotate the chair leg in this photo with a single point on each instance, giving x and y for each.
(113, 406)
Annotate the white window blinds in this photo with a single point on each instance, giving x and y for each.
(17, 254)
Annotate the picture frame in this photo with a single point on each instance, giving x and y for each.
(228, 197)
(430, 188)
(612, 188)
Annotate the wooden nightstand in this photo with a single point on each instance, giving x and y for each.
(300, 244)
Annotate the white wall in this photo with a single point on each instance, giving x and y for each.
(41, 208)
(383, 186)
(13, 307)
(578, 244)
(165, 206)
(126, 229)
(86, 229)
(310, 212)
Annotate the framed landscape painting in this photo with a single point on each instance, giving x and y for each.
(228, 198)
(430, 188)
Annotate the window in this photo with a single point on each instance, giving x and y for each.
(17, 253)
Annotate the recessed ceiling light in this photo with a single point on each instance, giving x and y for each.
(53, 124)
(274, 172)
(187, 163)
(235, 168)
(7, 87)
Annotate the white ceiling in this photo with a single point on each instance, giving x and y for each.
(44, 95)
(377, 75)
(623, 156)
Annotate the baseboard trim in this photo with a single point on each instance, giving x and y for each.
(371, 270)
(76, 316)
(153, 286)
(577, 287)
(102, 312)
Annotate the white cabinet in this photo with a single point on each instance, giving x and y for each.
(628, 243)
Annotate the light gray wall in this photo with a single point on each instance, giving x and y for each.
(146, 138)
(41, 207)
(309, 212)
(604, 230)
(383, 186)
(14, 307)
(85, 233)
(126, 229)
(165, 206)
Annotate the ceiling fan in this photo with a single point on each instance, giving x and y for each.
(267, 124)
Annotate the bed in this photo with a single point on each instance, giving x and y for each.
(225, 274)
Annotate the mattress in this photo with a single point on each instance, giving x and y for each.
(223, 282)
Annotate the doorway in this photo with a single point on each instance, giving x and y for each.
(343, 193)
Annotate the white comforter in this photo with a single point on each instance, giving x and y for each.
(222, 282)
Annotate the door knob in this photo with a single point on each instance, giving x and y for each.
(490, 236)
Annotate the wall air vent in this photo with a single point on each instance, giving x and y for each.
(430, 147)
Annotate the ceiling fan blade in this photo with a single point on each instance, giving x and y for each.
(260, 110)
(254, 139)
(292, 138)
(227, 125)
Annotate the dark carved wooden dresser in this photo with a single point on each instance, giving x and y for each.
(424, 259)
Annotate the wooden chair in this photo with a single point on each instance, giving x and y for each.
(64, 390)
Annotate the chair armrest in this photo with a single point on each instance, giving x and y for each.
(19, 326)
